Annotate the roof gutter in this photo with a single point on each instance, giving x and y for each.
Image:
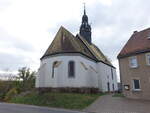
(133, 53)
(58, 53)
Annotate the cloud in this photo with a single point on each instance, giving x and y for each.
(11, 62)
(14, 53)
(113, 25)
(8, 41)
(4, 4)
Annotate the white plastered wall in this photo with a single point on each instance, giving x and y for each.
(97, 75)
(83, 77)
(105, 76)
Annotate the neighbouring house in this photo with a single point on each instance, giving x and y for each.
(134, 62)
(74, 64)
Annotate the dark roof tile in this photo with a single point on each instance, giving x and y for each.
(65, 42)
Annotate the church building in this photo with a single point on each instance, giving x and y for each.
(74, 64)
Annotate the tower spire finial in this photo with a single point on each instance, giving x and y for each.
(84, 8)
(85, 28)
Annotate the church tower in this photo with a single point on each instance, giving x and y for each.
(85, 28)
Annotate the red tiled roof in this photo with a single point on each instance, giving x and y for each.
(138, 43)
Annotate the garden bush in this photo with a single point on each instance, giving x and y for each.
(10, 94)
(5, 86)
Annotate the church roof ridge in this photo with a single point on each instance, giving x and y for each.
(95, 51)
(66, 42)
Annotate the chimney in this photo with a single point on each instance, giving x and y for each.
(135, 32)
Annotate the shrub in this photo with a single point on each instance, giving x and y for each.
(11, 93)
(5, 86)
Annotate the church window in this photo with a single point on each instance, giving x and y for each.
(113, 87)
(53, 68)
(71, 69)
(112, 75)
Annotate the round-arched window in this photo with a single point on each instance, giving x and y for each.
(53, 67)
(71, 69)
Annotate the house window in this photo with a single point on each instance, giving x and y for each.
(148, 37)
(136, 84)
(133, 62)
(53, 68)
(112, 76)
(148, 59)
(71, 69)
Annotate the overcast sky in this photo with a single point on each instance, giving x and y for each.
(27, 27)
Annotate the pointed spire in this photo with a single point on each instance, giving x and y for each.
(85, 28)
(84, 9)
(84, 17)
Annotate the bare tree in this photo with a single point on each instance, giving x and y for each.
(27, 78)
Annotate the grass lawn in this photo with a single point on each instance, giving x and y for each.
(59, 100)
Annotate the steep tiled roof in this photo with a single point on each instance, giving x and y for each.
(138, 43)
(65, 42)
(95, 51)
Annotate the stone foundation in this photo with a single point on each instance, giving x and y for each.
(68, 90)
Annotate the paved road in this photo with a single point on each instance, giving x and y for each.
(109, 104)
(17, 108)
